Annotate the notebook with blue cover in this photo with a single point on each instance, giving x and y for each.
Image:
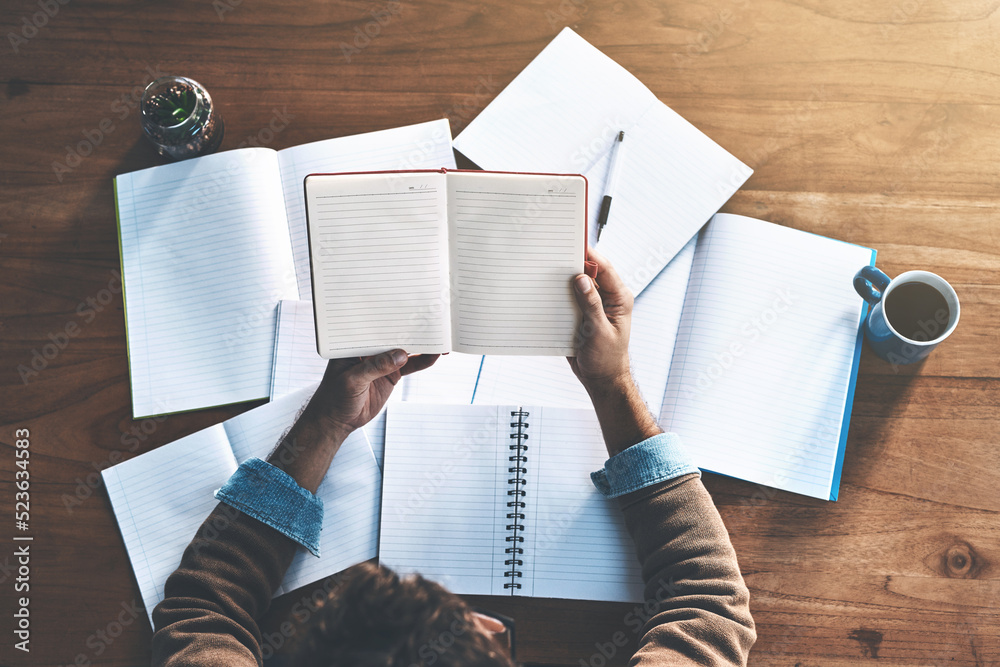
(752, 337)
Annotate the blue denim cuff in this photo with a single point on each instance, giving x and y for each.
(653, 460)
(271, 496)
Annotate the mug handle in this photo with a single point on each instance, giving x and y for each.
(870, 283)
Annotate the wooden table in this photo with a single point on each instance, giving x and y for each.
(875, 123)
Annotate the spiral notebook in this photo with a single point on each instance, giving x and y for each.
(497, 500)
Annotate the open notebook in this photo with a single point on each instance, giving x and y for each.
(210, 245)
(161, 498)
(439, 261)
(562, 113)
(762, 352)
(497, 500)
(297, 364)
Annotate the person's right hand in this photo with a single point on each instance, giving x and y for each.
(602, 338)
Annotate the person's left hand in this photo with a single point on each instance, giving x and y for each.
(354, 390)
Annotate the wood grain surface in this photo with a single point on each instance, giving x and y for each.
(871, 122)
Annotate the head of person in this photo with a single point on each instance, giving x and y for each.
(376, 617)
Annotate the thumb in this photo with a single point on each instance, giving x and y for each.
(377, 366)
(589, 299)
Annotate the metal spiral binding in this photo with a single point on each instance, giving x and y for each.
(515, 506)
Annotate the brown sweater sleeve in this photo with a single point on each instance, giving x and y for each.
(699, 604)
(225, 581)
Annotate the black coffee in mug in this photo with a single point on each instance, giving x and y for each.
(912, 303)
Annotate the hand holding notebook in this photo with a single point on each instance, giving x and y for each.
(437, 261)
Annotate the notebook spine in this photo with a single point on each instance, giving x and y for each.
(514, 552)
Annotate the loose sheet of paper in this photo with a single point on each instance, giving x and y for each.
(297, 364)
(161, 498)
(379, 253)
(517, 241)
(350, 491)
(764, 353)
(444, 495)
(562, 113)
(420, 146)
(452, 379)
(200, 293)
(550, 381)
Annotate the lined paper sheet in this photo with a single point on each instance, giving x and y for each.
(420, 146)
(444, 494)
(161, 498)
(350, 491)
(576, 544)
(767, 339)
(199, 292)
(297, 364)
(517, 241)
(550, 381)
(562, 113)
(452, 379)
(379, 253)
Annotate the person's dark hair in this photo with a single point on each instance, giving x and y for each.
(377, 617)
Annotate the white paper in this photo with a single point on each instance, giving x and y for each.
(562, 113)
(206, 258)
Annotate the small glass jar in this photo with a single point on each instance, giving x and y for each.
(178, 117)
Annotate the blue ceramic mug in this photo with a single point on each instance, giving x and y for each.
(910, 314)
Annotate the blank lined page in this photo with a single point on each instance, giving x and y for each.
(452, 379)
(444, 494)
(379, 253)
(206, 257)
(297, 364)
(562, 113)
(161, 498)
(350, 491)
(420, 146)
(576, 539)
(517, 241)
(673, 178)
(551, 382)
(764, 354)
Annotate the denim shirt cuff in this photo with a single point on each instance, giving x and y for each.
(653, 460)
(271, 496)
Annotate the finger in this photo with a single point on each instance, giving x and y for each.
(589, 298)
(613, 290)
(374, 367)
(419, 362)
